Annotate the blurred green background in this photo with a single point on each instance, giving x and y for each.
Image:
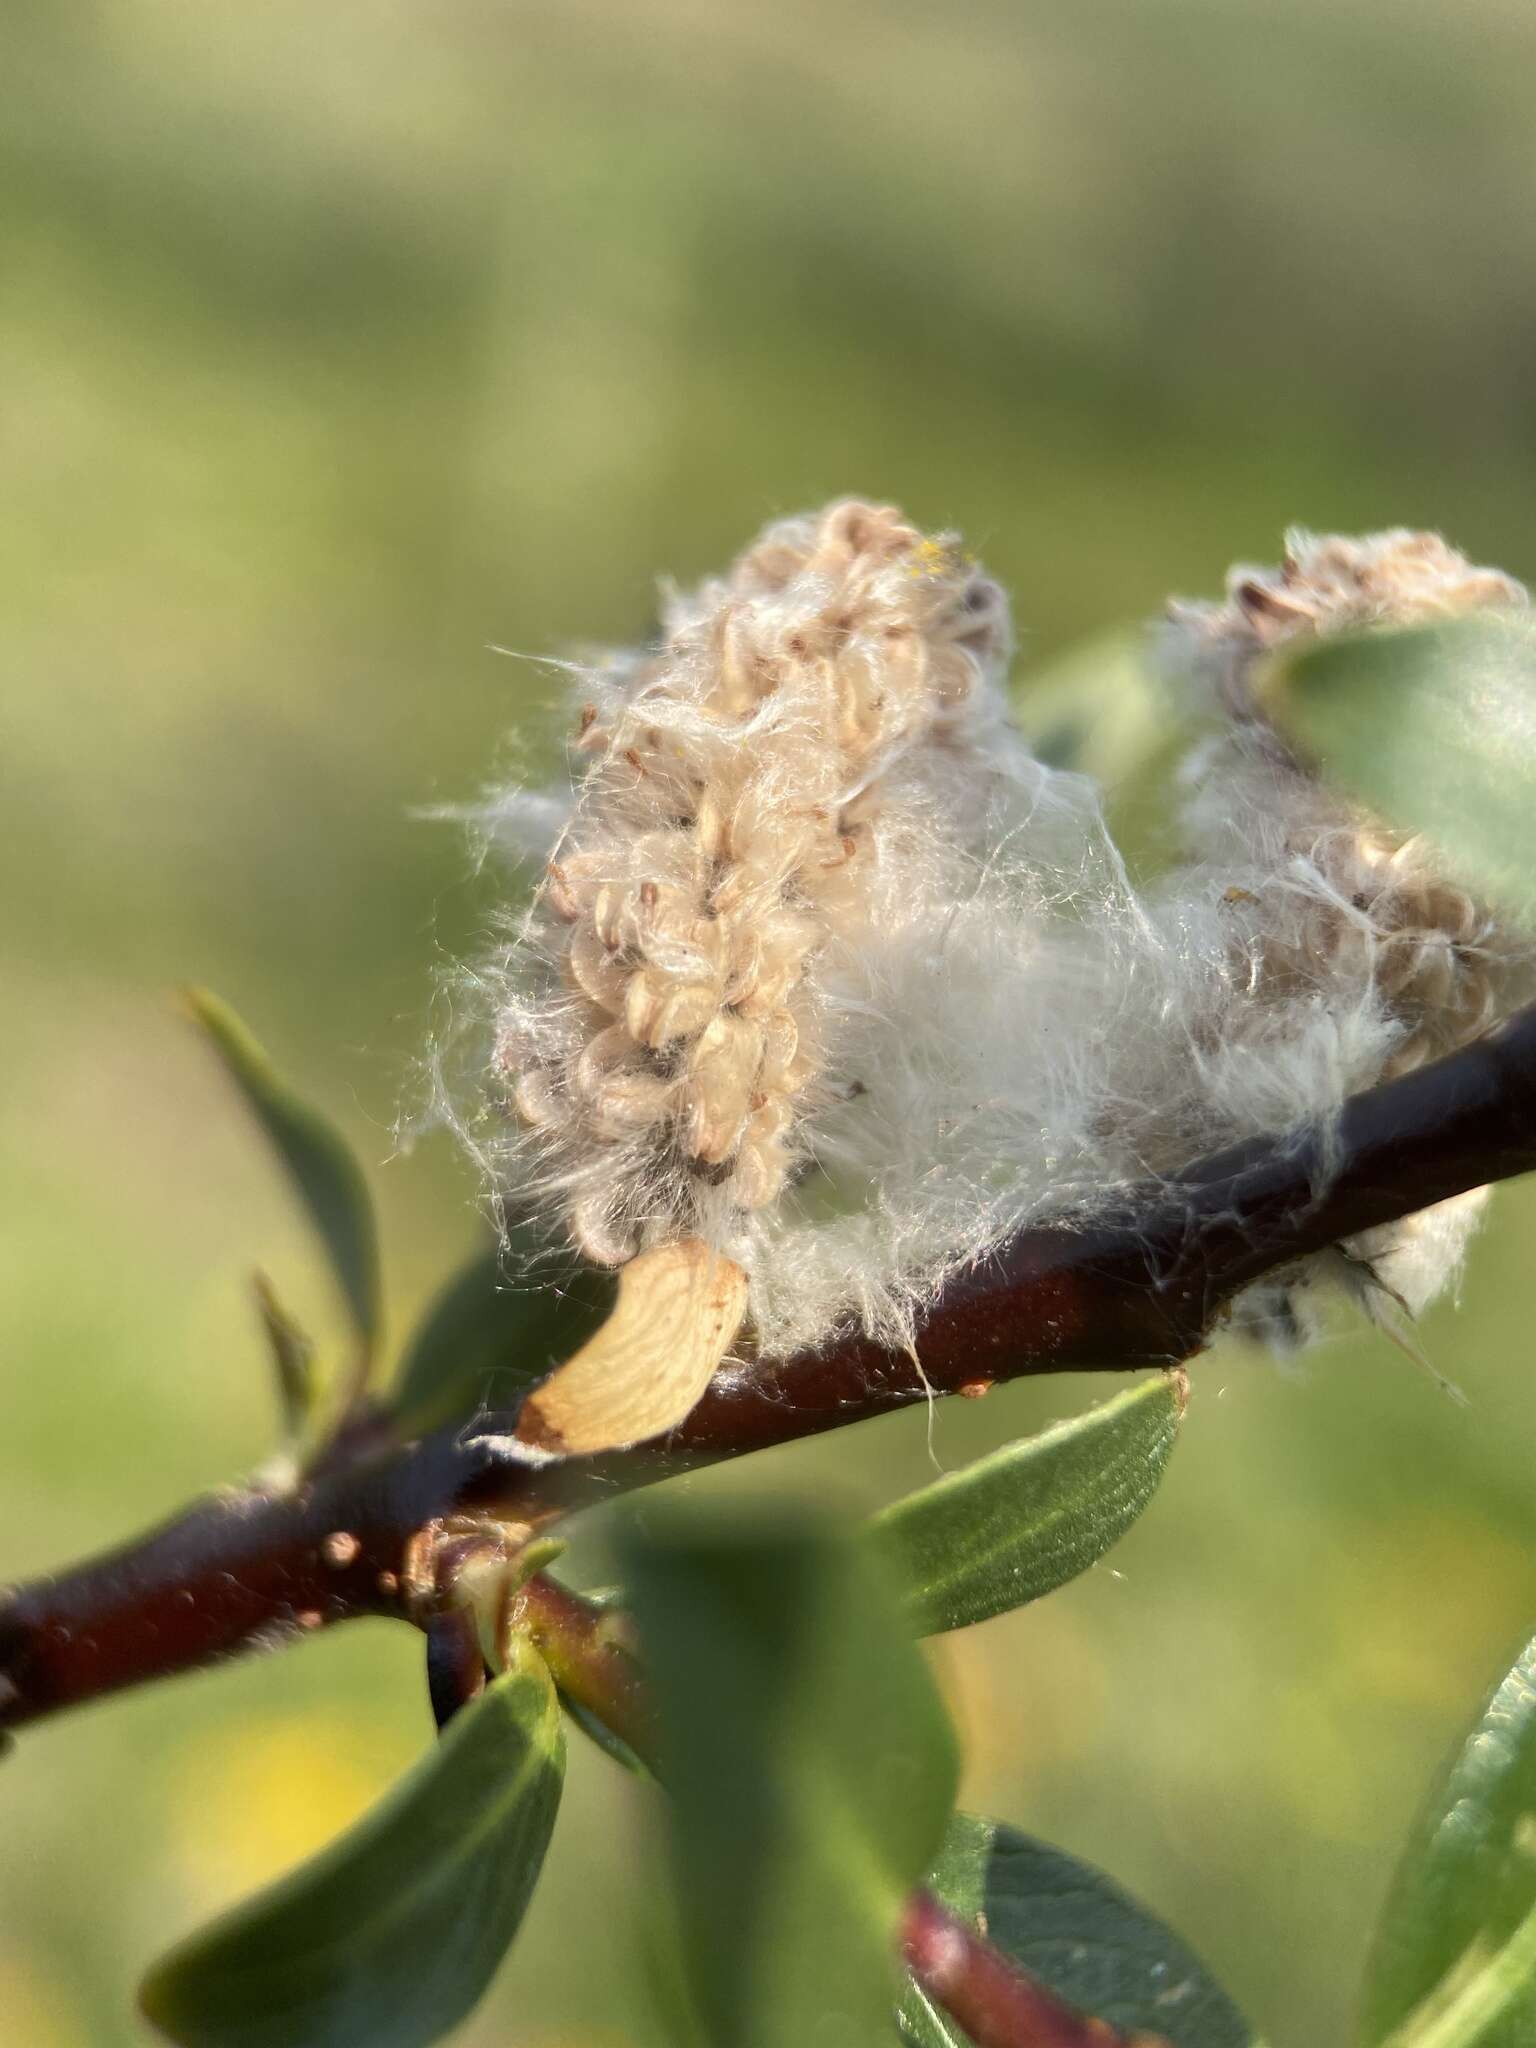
(338, 344)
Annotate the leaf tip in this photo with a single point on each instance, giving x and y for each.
(157, 1998)
(224, 1028)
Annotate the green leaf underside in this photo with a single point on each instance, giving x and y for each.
(498, 1326)
(318, 1161)
(1031, 1516)
(1435, 728)
(390, 1935)
(1075, 1930)
(811, 1768)
(1454, 1962)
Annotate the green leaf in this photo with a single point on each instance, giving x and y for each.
(1031, 1516)
(1084, 1938)
(1435, 729)
(318, 1161)
(293, 1360)
(390, 1935)
(1095, 707)
(1099, 708)
(498, 1325)
(811, 1768)
(1454, 1962)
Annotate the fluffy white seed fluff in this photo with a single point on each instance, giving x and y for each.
(825, 968)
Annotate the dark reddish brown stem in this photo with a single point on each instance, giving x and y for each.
(999, 2005)
(455, 1664)
(237, 1569)
(591, 1654)
(1143, 1282)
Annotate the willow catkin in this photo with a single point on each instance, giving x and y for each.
(664, 1038)
(1340, 951)
(1370, 904)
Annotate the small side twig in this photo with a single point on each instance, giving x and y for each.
(593, 1660)
(998, 2004)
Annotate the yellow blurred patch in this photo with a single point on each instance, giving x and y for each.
(35, 2014)
(1422, 1608)
(261, 1796)
(1315, 1774)
(1008, 1723)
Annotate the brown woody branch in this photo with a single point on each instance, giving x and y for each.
(1141, 1283)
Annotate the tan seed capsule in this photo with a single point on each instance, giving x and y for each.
(595, 971)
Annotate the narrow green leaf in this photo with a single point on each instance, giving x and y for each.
(318, 1161)
(1435, 729)
(498, 1325)
(811, 1768)
(1074, 1929)
(390, 1935)
(1454, 1962)
(1031, 1516)
(293, 1360)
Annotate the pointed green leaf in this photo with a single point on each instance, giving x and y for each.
(1032, 1515)
(390, 1935)
(811, 1768)
(499, 1324)
(1454, 1963)
(1074, 1929)
(1435, 729)
(318, 1161)
(293, 1360)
